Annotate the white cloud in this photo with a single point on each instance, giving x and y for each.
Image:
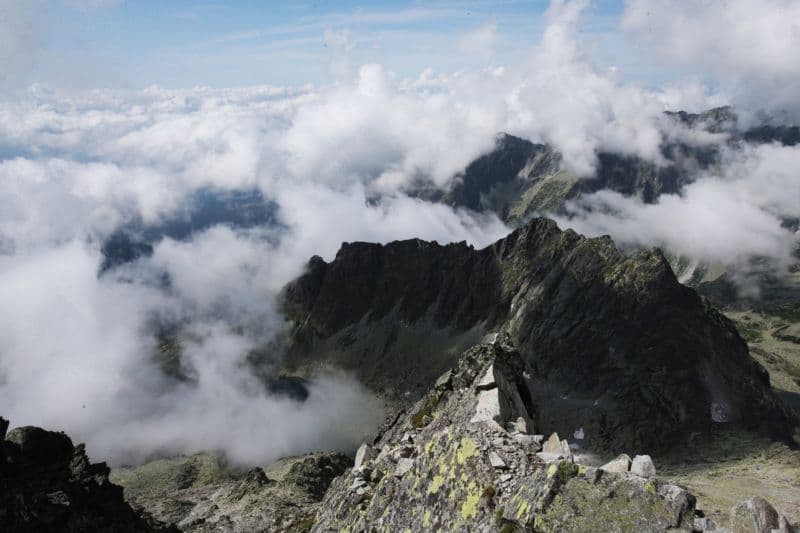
(749, 46)
(728, 216)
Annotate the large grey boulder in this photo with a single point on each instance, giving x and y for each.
(365, 454)
(621, 464)
(756, 515)
(642, 465)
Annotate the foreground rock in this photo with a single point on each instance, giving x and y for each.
(758, 516)
(202, 493)
(47, 484)
(446, 471)
(617, 347)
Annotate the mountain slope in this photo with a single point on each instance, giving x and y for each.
(620, 350)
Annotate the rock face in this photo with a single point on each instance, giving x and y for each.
(467, 476)
(47, 484)
(616, 345)
(201, 493)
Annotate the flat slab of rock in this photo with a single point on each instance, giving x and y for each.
(365, 454)
(487, 411)
(619, 465)
(496, 461)
(642, 465)
(403, 466)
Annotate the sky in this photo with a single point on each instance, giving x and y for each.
(180, 44)
(115, 114)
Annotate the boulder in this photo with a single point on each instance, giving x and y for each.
(496, 461)
(403, 466)
(552, 445)
(619, 465)
(364, 455)
(642, 465)
(487, 410)
(756, 515)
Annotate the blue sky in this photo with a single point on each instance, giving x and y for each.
(124, 43)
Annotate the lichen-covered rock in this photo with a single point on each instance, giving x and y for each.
(47, 484)
(462, 476)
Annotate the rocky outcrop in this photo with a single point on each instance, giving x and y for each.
(47, 484)
(203, 493)
(453, 473)
(619, 350)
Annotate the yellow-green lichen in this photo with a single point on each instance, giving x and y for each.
(466, 450)
(469, 509)
(436, 484)
(426, 519)
(551, 470)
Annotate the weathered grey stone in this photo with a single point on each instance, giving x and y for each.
(704, 524)
(532, 441)
(522, 425)
(756, 515)
(403, 466)
(487, 411)
(444, 381)
(496, 461)
(487, 380)
(566, 450)
(622, 463)
(642, 465)
(365, 454)
(552, 445)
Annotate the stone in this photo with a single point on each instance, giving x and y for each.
(522, 425)
(505, 477)
(487, 381)
(487, 411)
(619, 465)
(566, 449)
(403, 466)
(444, 381)
(357, 482)
(552, 445)
(531, 441)
(756, 515)
(365, 454)
(642, 465)
(407, 438)
(704, 524)
(405, 451)
(496, 461)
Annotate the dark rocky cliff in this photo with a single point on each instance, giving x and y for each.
(47, 484)
(618, 348)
